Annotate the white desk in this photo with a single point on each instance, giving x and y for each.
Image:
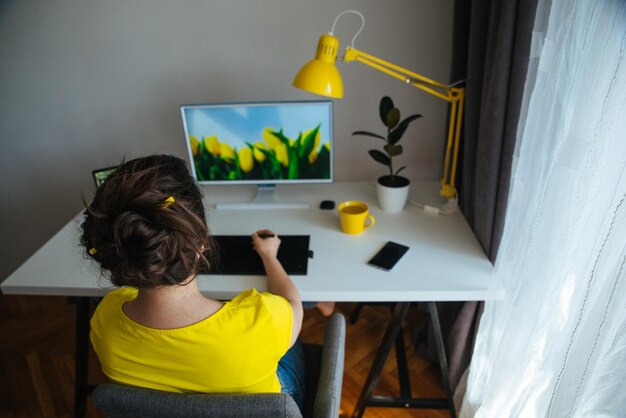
(444, 263)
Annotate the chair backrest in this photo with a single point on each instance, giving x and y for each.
(118, 401)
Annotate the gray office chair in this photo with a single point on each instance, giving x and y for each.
(324, 366)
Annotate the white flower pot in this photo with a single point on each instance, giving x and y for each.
(392, 196)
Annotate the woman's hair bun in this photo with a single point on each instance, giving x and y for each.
(146, 224)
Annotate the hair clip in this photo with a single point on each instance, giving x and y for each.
(168, 202)
(93, 251)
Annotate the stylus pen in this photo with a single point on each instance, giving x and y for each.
(266, 236)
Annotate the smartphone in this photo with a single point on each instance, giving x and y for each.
(388, 256)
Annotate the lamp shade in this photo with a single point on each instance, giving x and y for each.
(321, 75)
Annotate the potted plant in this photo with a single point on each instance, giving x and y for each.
(392, 189)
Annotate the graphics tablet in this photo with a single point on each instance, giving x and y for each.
(235, 255)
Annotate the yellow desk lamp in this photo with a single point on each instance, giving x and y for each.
(321, 76)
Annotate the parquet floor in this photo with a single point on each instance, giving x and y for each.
(37, 359)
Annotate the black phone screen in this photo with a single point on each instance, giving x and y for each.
(388, 256)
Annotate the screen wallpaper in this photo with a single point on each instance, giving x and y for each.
(260, 142)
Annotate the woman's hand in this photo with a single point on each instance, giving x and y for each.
(265, 247)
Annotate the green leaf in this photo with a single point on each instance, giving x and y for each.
(264, 168)
(323, 163)
(282, 137)
(393, 117)
(215, 173)
(237, 168)
(199, 173)
(309, 143)
(380, 157)
(386, 104)
(396, 134)
(293, 164)
(206, 162)
(271, 157)
(393, 150)
(365, 133)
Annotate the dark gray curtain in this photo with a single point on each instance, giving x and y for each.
(498, 52)
(491, 52)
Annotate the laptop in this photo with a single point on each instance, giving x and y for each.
(100, 174)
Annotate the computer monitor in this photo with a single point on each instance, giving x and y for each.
(260, 143)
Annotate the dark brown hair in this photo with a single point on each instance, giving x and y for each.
(133, 233)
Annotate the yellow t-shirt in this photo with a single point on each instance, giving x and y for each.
(236, 349)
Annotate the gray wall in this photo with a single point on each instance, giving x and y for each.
(84, 83)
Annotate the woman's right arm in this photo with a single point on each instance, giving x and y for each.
(278, 281)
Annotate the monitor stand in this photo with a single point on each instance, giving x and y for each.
(265, 199)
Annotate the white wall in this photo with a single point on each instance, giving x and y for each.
(84, 83)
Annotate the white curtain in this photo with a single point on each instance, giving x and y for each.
(556, 345)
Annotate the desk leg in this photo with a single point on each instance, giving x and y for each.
(443, 360)
(81, 388)
(403, 367)
(391, 336)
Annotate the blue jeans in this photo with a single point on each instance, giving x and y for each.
(291, 373)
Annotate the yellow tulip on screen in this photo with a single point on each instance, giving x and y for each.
(318, 136)
(212, 144)
(258, 155)
(226, 152)
(246, 162)
(193, 141)
(282, 155)
(270, 139)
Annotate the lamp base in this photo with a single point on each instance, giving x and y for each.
(447, 191)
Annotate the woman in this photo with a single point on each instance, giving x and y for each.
(146, 228)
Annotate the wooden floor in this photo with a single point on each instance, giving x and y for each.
(37, 359)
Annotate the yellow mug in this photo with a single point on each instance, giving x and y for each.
(354, 216)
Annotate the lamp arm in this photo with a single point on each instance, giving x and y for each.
(430, 86)
(453, 95)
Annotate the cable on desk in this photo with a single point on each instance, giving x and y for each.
(450, 207)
